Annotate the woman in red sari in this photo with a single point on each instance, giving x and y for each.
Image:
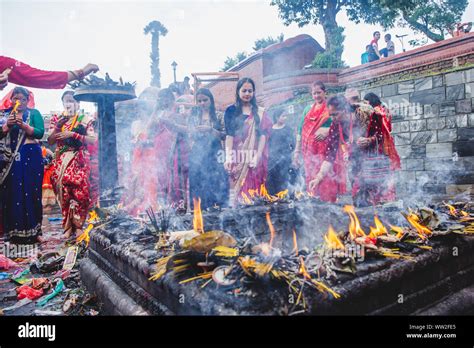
(72, 132)
(246, 148)
(312, 142)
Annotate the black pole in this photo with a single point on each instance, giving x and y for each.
(108, 168)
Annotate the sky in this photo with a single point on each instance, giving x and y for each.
(66, 35)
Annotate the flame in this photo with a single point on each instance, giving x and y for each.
(198, 224)
(378, 230)
(282, 194)
(253, 193)
(332, 240)
(85, 235)
(272, 229)
(303, 270)
(464, 213)
(15, 108)
(246, 199)
(93, 216)
(354, 226)
(264, 193)
(423, 231)
(295, 243)
(452, 210)
(399, 231)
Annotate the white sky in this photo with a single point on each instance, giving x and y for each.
(65, 35)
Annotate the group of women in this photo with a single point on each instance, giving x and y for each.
(188, 151)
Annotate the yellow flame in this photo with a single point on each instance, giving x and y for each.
(282, 194)
(85, 235)
(354, 226)
(464, 213)
(15, 108)
(399, 231)
(295, 243)
(93, 216)
(452, 209)
(332, 240)
(272, 229)
(198, 224)
(423, 231)
(378, 230)
(246, 198)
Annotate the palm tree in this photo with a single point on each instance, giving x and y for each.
(156, 29)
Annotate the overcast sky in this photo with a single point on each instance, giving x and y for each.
(65, 35)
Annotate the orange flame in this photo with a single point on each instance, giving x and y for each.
(303, 270)
(354, 226)
(198, 224)
(93, 216)
(264, 193)
(295, 243)
(378, 230)
(272, 229)
(399, 231)
(423, 231)
(282, 194)
(464, 213)
(15, 108)
(452, 210)
(332, 240)
(253, 193)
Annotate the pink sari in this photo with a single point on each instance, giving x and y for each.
(243, 177)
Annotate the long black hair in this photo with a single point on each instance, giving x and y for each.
(21, 90)
(373, 99)
(212, 107)
(253, 101)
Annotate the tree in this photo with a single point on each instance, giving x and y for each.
(156, 29)
(433, 18)
(265, 42)
(231, 61)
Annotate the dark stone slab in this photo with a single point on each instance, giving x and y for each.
(447, 135)
(436, 123)
(429, 96)
(464, 148)
(447, 109)
(463, 106)
(418, 151)
(455, 92)
(465, 134)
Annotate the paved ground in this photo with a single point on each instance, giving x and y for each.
(55, 245)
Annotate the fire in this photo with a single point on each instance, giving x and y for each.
(264, 193)
(253, 193)
(378, 230)
(282, 194)
(93, 216)
(246, 199)
(332, 240)
(85, 235)
(452, 210)
(15, 107)
(303, 270)
(399, 231)
(464, 213)
(354, 226)
(198, 224)
(272, 229)
(295, 243)
(423, 231)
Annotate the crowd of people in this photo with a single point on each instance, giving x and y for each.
(196, 152)
(186, 152)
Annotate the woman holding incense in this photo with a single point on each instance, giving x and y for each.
(72, 133)
(21, 170)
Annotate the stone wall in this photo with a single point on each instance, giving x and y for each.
(433, 128)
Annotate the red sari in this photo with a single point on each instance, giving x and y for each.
(313, 152)
(70, 180)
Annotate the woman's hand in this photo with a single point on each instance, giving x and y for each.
(11, 121)
(321, 133)
(315, 182)
(64, 135)
(364, 142)
(90, 68)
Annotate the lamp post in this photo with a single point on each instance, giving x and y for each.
(174, 65)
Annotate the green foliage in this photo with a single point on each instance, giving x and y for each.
(265, 42)
(231, 61)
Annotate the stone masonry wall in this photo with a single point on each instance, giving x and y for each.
(433, 127)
